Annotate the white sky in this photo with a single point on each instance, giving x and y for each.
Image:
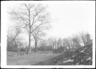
(69, 17)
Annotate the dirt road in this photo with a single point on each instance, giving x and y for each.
(30, 59)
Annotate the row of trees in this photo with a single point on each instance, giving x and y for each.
(55, 45)
(71, 43)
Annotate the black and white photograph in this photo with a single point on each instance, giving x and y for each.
(0, 34)
(57, 33)
(48, 68)
(47, 0)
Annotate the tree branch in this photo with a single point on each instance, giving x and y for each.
(37, 27)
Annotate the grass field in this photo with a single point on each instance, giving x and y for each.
(30, 59)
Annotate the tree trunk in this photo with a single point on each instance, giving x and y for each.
(29, 49)
(35, 45)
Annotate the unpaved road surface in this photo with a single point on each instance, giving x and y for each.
(30, 59)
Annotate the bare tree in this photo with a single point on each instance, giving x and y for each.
(59, 42)
(12, 37)
(86, 38)
(66, 42)
(37, 34)
(76, 41)
(31, 17)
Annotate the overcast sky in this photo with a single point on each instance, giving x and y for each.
(71, 18)
(68, 17)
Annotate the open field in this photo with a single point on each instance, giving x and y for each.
(30, 59)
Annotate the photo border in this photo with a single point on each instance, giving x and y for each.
(4, 43)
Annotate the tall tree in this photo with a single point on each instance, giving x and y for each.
(30, 17)
(37, 34)
(86, 39)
